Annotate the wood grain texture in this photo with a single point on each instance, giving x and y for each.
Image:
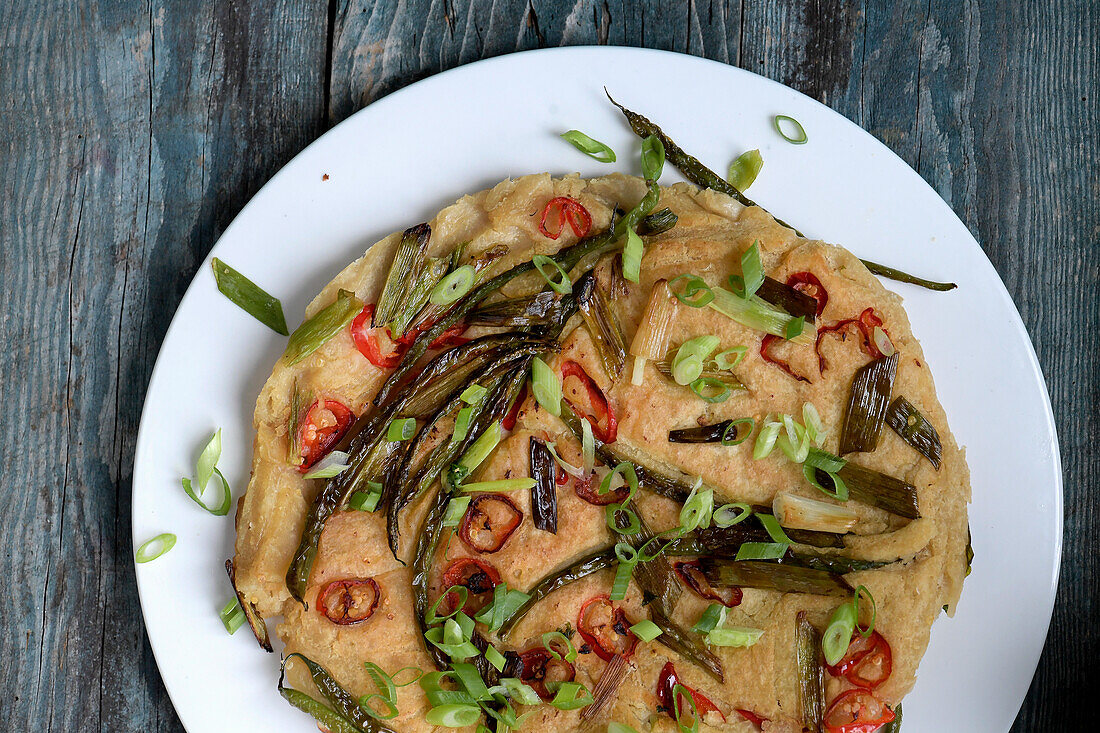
(132, 133)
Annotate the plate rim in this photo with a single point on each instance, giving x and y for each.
(285, 171)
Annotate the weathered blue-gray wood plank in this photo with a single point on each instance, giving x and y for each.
(131, 134)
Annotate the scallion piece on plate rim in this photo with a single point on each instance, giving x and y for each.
(153, 548)
(251, 298)
(799, 137)
(589, 146)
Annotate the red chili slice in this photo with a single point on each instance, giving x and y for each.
(605, 628)
(375, 343)
(864, 327)
(605, 425)
(538, 668)
(857, 711)
(350, 601)
(757, 720)
(587, 488)
(565, 210)
(692, 575)
(323, 426)
(807, 282)
(667, 682)
(451, 337)
(765, 345)
(509, 422)
(867, 663)
(488, 522)
(476, 576)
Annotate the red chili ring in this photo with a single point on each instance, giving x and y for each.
(480, 531)
(598, 401)
(341, 602)
(619, 625)
(568, 210)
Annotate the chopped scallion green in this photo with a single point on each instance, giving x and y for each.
(632, 256)
(152, 549)
(401, 429)
(325, 324)
(504, 484)
(453, 286)
(710, 389)
(253, 299)
(366, 501)
(761, 551)
(653, 158)
(590, 147)
(232, 616)
(563, 284)
(546, 386)
(734, 636)
(838, 634)
(799, 137)
(646, 630)
(744, 170)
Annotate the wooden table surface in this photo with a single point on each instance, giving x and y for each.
(133, 133)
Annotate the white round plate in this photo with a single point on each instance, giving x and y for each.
(406, 156)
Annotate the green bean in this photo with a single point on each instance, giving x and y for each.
(594, 562)
(567, 258)
(344, 705)
(904, 277)
(700, 175)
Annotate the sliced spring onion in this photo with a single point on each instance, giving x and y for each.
(504, 484)
(738, 431)
(867, 403)
(744, 170)
(693, 286)
(734, 636)
(453, 715)
(865, 631)
(765, 440)
(482, 447)
(590, 147)
(546, 386)
(462, 424)
(563, 284)
(401, 429)
(771, 526)
(712, 618)
(697, 510)
(813, 475)
(232, 616)
(728, 515)
(752, 273)
(761, 551)
(588, 447)
(331, 465)
(473, 394)
(685, 722)
(456, 509)
(812, 420)
(653, 158)
(796, 512)
(646, 630)
(548, 640)
(825, 461)
(453, 286)
(571, 696)
(710, 389)
(367, 501)
(758, 314)
(521, 693)
(152, 549)
(730, 358)
(654, 329)
(695, 351)
(794, 441)
(222, 508)
(838, 634)
(208, 459)
(913, 427)
(687, 369)
(495, 658)
(462, 593)
(794, 327)
(628, 558)
(505, 602)
(325, 324)
(569, 468)
(632, 256)
(798, 138)
(470, 680)
(253, 299)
